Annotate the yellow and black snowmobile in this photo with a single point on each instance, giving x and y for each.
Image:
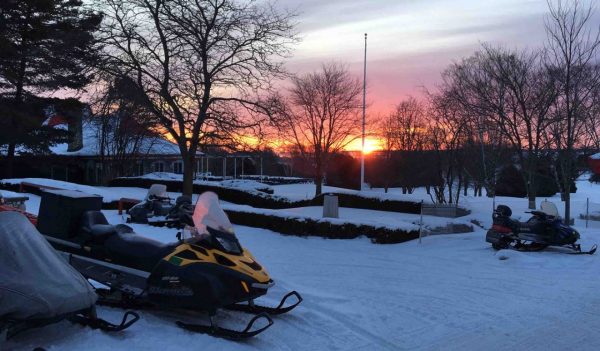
(205, 270)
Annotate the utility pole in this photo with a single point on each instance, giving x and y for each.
(362, 154)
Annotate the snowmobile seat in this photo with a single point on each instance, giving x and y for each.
(96, 228)
(136, 251)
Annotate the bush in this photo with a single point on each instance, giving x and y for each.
(510, 183)
(310, 227)
(368, 203)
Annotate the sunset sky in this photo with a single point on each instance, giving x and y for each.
(410, 41)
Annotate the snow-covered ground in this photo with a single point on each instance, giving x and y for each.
(452, 292)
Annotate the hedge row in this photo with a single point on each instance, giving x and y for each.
(263, 200)
(310, 227)
(273, 180)
(369, 203)
(236, 196)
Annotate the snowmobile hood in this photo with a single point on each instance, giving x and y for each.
(208, 213)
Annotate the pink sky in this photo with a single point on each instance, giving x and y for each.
(410, 41)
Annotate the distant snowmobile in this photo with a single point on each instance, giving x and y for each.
(157, 203)
(206, 271)
(158, 210)
(545, 228)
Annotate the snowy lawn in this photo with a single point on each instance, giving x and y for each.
(453, 292)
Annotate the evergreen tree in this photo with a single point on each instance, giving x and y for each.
(45, 45)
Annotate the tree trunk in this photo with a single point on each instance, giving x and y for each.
(10, 159)
(188, 175)
(531, 193)
(568, 204)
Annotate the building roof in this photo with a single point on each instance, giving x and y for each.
(151, 145)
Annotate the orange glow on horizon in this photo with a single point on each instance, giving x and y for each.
(371, 144)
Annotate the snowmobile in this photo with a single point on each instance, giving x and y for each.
(205, 270)
(157, 209)
(544, 228)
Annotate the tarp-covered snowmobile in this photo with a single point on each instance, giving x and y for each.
(158, 209)
(544, 228)
(37, 286)
(206, 271)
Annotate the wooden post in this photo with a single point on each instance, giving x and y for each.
(421, 223)
(587, 211)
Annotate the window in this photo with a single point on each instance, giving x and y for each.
(158, 166)
(178, 167)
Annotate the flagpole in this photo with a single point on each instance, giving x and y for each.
(362, 154)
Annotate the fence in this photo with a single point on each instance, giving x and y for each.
(446, 211)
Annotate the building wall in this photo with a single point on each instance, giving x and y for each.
(594, 166)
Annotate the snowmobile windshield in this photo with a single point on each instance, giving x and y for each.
(157, 191)
(225, 241)
(209, 218)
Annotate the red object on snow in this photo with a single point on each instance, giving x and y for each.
(32, 218)
(55, 120)
(594, 164)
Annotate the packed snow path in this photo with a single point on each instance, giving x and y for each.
(452, 292)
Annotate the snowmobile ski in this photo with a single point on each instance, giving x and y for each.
(229, 334)
(122, 300)
(589, 252)
(253, 308)
(97, 323)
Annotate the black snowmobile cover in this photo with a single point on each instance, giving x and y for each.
(35, 281)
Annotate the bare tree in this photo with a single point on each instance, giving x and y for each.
(403, 130)
(512, 90)
(388, 134)
(592, 121)
(321, 115)
(572, 52)
(125, 129)
(447, 132)
(195, 62)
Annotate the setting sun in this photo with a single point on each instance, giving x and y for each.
(371, 144)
